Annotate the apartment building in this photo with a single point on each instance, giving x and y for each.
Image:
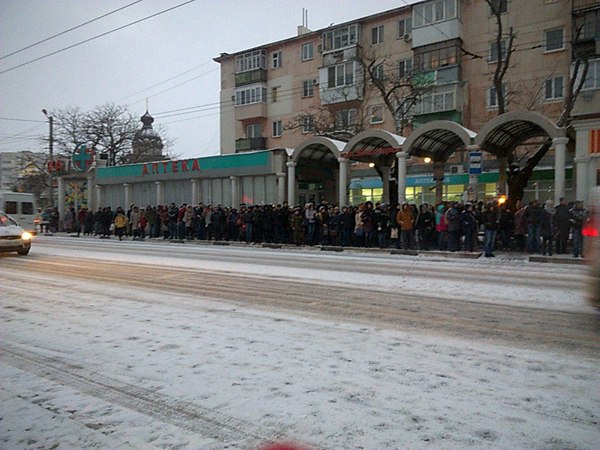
(393, 73)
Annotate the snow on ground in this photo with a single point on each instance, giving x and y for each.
(106, 370)
(507, 268)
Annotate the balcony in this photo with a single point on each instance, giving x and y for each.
(579, 5)
(246, 144)
(586, 49)
(252, 76)
(251, 111)
(333, 57)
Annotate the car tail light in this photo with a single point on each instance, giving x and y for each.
(590, 229)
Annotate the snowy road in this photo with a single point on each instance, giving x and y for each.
(155, 345)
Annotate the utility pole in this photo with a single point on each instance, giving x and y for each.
(50, 151)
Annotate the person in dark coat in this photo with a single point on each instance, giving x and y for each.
(490, 219)
(425, 227)
(533, 217)
(469, 227)
(578, 217)
(562, 225)
(454, 227)
(548, 227)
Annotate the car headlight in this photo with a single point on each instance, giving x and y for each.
(26, 236)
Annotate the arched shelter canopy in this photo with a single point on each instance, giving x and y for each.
(371, 145)
(507, 131)
(319, 149)
(438, 140)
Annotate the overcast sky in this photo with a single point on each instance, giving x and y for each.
(167, 59)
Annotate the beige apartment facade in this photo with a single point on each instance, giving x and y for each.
(322, 96)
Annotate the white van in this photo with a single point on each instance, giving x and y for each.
(21, 207)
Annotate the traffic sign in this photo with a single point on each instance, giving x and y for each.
(475, 163)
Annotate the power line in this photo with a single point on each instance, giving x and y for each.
(22, 120)
(69, 30)
(176, 86)
(167, 80)
(96, 37)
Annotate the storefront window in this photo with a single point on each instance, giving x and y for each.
(454, 192)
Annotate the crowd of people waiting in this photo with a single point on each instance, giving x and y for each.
(449, 226)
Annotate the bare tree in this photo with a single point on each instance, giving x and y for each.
(332, 120)
(504, 49)
(109, 129)
(400, 92)
(69, 130)
(521, 162)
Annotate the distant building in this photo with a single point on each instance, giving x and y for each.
(147, 145)
(14, 164)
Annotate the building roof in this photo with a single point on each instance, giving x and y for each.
(225, 55)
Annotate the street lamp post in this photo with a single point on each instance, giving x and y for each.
(50, 151)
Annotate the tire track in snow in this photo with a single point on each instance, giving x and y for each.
(225, 430)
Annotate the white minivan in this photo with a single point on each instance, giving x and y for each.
(21, 206)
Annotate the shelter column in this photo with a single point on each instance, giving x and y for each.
(401, 176)
(127, 195)
(160, 193)
(581, 170)
(343, 182)
(439, 167)
(473, 177)
(291, 182)
(99, 198)
(194, 182)
(560, 153)
(235, 195)
(280, 187)
(61, 200)
(385, 177)
(90, 194)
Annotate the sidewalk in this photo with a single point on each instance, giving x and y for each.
(556, 259)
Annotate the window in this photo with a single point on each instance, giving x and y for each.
(376, 114)
(251, 94)
(10, 207)
(26, 208)
(273, 94)
(554, 88)
(251, 61)
(345, 119)
(436, 56)
(440, 99)
(500, 6)
(277, 128)
(494, 50)
(404, 27)
(592, 80)
(340, 38)
(377, 35)
(405, 68)
(276, 60)
(307, 51)
(307, 124)
(308, 88)
(378, 72)
(434, 11)
(555, 40)
(589, 22)
(253, 130)
(492, 98)
(340, 75)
